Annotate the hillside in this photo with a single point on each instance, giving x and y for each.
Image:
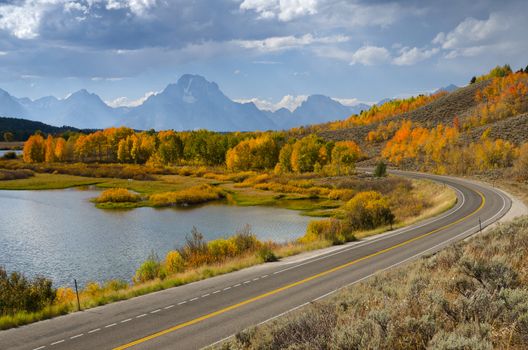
(460, 103)
(474, 129)
(23, 128)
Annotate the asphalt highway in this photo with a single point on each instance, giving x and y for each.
(205, 312)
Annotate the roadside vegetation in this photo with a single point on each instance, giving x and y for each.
(469, 296)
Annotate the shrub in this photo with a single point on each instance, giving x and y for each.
(341, 194)
(149, 270)
(245, 241)
(19, 294)
(195, 251)
(266, 254)
(194, 195)
(15, 174)
(381, 169)
(174, 262)
(332, 230)
(368, 210)
(117, 195)
(64, 295)
(220, 249)
(9, 155)
(92, 289)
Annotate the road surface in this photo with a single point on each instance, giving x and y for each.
(205, 312)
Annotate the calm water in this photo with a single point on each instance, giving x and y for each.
(18, 152)
(61, 235)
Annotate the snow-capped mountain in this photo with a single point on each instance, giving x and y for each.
(191, 103)
(194, 103)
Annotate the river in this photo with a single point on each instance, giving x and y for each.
(60, 234)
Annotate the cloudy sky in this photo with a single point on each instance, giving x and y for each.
(255, 49)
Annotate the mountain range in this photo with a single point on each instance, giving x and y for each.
(191, 103)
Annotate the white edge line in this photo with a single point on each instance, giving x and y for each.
(486, 222)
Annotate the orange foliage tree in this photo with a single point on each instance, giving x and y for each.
(503, 97)
(34, 149)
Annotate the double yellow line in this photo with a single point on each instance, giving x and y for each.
(294, 284)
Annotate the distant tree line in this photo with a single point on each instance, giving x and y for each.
(17, 129)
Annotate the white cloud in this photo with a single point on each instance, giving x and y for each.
(473, 37)
(351, 102)
(126, 102)
(284, 10)
(472, 31)
(261, 104)
(288, 42)
(290, 102)
(137, 7)
(23, 19)
(370, 55)
(72, 6)
(410, 56)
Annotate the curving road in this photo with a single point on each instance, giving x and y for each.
(202, 313)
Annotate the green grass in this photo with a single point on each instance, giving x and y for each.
(49, 182)
(246, 196)
(166, 183)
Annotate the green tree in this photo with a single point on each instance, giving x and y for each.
(473, 80)
(381, 169)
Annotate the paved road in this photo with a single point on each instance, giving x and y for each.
(201, 313)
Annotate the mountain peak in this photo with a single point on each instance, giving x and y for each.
(194, 82)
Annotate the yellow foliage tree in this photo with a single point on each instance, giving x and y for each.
(49, 153)
(34, 149)
(345, 154)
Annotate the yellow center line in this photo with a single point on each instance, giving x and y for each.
(294, 284)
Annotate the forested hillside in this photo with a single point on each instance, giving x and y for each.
(21, 129)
